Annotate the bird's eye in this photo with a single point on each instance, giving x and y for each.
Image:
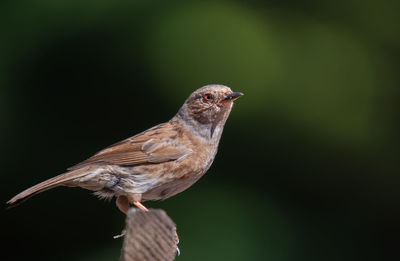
(208, 97)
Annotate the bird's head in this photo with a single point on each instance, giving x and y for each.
(208, 108)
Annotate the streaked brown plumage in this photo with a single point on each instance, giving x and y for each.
(157, 163)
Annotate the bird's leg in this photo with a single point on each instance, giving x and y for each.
(123, 204)
(135, 200)
(140, 205)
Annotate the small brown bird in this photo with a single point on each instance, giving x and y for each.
(157, 163)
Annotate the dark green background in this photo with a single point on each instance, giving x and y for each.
(308, 166)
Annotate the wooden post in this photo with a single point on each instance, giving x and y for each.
(149, 236)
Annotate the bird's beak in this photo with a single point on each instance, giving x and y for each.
(233, 96)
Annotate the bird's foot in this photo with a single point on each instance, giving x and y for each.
(123, 233)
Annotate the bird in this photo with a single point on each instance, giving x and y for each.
(157, 163)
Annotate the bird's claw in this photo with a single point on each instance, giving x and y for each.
(120, 235)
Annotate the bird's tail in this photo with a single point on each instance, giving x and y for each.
(59, 180)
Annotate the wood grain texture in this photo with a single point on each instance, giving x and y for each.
(149, 236)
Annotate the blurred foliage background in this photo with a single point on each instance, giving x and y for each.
(308, 166)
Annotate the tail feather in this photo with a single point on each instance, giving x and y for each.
(59, 180)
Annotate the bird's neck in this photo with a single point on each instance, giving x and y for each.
(211, 132)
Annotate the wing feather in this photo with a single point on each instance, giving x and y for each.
(156, 145)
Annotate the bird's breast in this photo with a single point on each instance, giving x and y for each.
(177, 176)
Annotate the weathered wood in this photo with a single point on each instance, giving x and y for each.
(149, 236)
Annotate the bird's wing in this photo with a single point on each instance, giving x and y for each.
(161, 143)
